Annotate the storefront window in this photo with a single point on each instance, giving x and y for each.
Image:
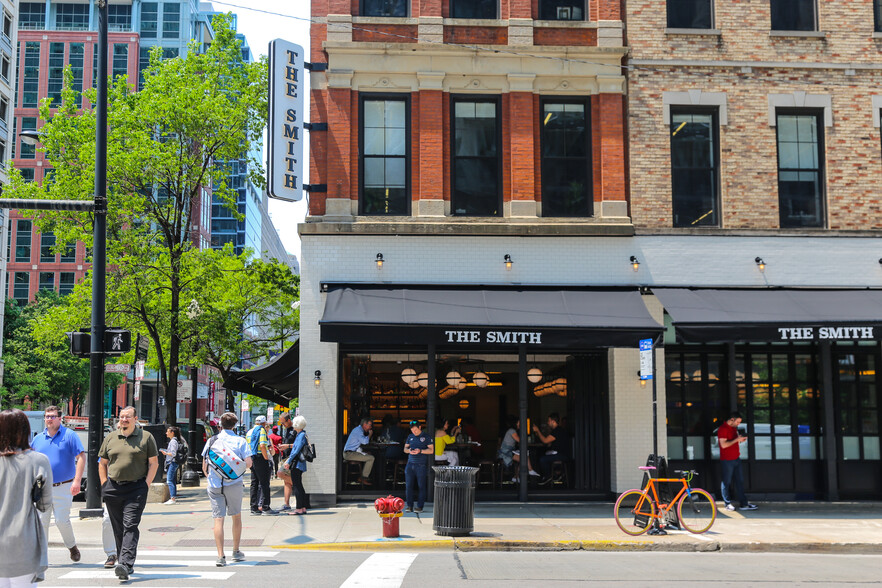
(858, 402)
(695, 389)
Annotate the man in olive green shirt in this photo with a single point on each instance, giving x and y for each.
(128, 460)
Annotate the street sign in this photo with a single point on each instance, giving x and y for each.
(137, 390)
(285, 130)
(139, 370)
(117, 341)
(245, 406)
(185, 391)
(142, 348)
(269, 414)
(646, 359)
(117, 368)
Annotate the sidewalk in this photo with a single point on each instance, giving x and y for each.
(781, 527)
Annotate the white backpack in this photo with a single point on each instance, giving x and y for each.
(223, 460)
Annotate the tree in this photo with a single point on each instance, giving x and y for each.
(166, 145)
(42, 369)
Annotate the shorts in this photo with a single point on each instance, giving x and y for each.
(226, 500)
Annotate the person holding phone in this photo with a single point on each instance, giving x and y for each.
(730, 461)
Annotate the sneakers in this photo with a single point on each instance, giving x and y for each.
(285, 507)
(256, 513)
(408, 509)
(221, 562)
(534, 473)
(514, 479)
(418, 509)
(110, 563)
(122, 571)
(269, 511)
(170, 501)
(748, 506)
(238, 556)
(74, 554)
(730, 506)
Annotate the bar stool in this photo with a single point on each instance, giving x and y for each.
(398, 473)
(560, 467)
(348, 468)
(488, 468)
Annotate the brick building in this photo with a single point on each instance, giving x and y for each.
(474, 222)
(755, 170)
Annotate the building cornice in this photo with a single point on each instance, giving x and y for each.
(763, 64)
(365, 226)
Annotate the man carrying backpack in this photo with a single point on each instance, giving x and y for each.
(225, 484)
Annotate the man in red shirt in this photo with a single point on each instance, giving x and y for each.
(730, 460)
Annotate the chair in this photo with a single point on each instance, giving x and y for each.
(348, 468)
(488, 467)
(560, 472)
(398, 474)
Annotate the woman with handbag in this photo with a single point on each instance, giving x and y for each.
(296, 464)
(175, 441)
(26, 487)
(288, 437)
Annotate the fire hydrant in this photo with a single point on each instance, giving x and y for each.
(389, 509)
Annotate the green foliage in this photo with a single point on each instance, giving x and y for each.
(165, 145)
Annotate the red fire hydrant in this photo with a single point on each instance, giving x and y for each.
(389, 509)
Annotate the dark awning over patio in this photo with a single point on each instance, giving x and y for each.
(487, 317)
(276, 381)
(773, 315)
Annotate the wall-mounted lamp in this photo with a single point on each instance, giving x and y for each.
(508, 261)
(318, 378)
(379, 261)
(880, 261)
(635, 263)
(760, 264)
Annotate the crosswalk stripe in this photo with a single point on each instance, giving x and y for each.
(141, 575)
(194, 553)
(166, 563)
(381, 570)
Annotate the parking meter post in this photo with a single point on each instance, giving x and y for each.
(190, 478)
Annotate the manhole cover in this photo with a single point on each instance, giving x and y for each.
(170, 529)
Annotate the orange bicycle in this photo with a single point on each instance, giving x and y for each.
(637, 511)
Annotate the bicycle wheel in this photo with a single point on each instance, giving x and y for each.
(697, 511)
(634, 512)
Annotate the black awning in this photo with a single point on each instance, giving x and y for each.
(487, 318)
(277, 380)
(704, 316)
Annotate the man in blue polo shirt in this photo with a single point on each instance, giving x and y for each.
(418, 448)
(67, 457)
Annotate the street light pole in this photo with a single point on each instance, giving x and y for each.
(190, 478)
(99, 271)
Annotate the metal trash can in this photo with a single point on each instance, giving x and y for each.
(454, 500)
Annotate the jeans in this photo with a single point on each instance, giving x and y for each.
(299, 492)
(125, 504)
(732, 478)
(415, 475)
(170, 477)
(260, 483)
(61, 503)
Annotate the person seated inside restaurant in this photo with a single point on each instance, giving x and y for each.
(392, 433)
(354, 451)
(557, 443)
(444, 437)
(508, 449)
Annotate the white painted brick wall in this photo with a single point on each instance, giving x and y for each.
(678, 260)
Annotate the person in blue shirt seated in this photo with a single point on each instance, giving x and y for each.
(352, 451)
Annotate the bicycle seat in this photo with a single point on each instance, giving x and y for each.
(646, 468)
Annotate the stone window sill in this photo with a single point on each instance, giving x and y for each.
(564, 24)
(697, 32)
(384, 20)
(877, 35)
(799, 34)
(475, 22)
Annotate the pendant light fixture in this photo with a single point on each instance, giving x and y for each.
(408, 375)
(480, 379)
(453, 378)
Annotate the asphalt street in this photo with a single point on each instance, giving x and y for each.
(195, 568)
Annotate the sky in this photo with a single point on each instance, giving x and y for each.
(259, 29)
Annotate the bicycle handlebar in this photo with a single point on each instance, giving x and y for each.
(686, 472)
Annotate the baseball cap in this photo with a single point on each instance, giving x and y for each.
(260, 420)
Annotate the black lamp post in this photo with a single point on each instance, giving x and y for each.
(190, 478)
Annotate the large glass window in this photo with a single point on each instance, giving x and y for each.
(23, 241)
(473, 9)
(69, 255)
(56, 72)
(566, 158)
(28, 151)
(31, 81)
(877, 15)
(47, 243)
(384, 7)
(694, 168)
(171, 20)
(562, 10)
(119, 17)
(76, 60)
(793, 15)
(66, 283)
(800, 172)
(120, 60)
(21, 288)
(857, 401)
(695, 391)
(476, 157)
(72, 17)
(32, 16)
(149, 19)
(47, 281)
(384, 161)
(690, 14)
